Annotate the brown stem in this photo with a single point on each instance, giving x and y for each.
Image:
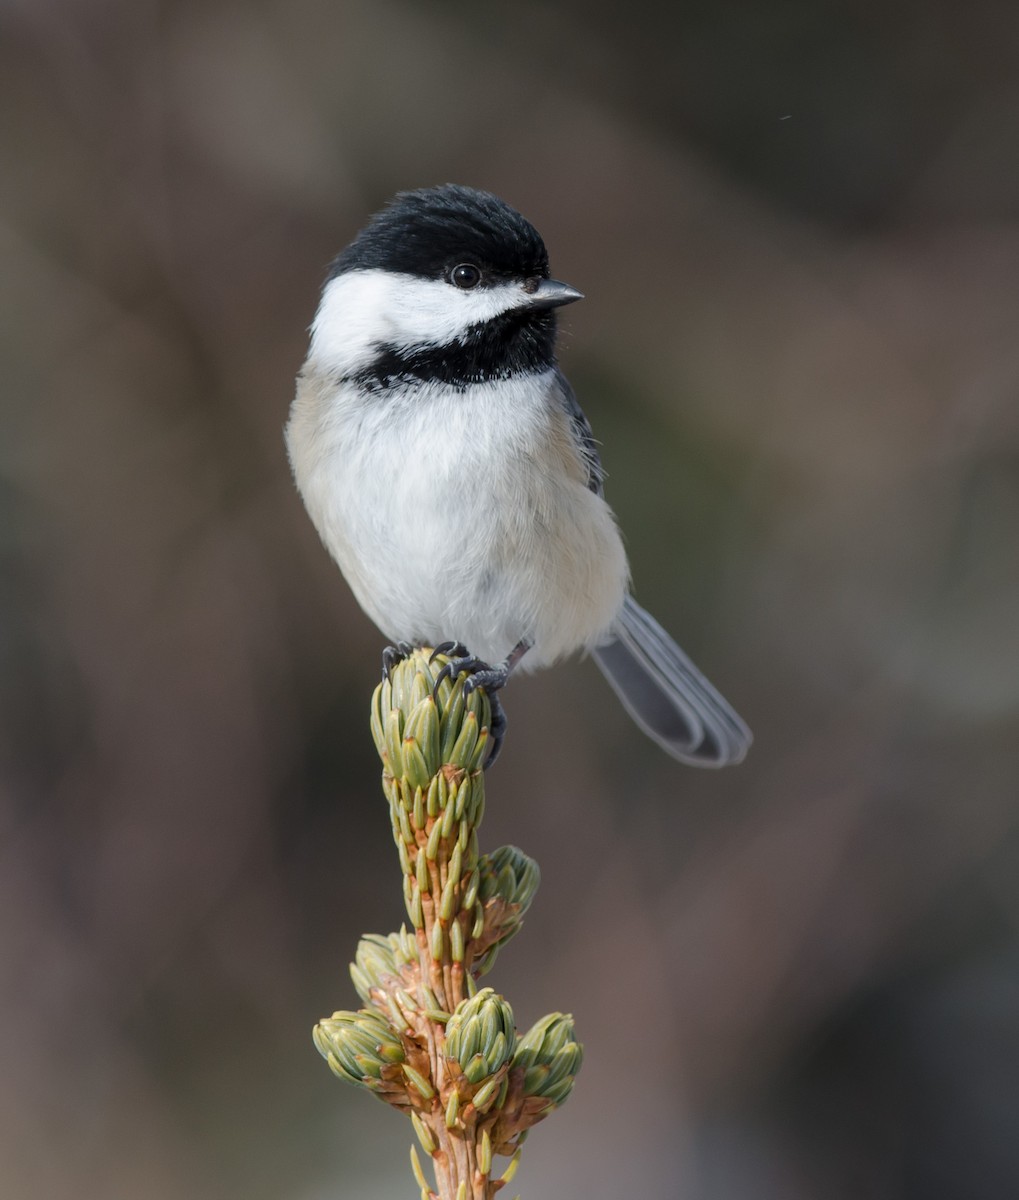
(456, 1160)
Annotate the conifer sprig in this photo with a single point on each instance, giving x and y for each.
(428, 1041)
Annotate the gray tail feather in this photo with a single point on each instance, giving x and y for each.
(667, 696)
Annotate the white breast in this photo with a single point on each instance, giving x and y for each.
(459, 515)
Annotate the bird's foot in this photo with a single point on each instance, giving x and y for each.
(480, 674)
(392, 656)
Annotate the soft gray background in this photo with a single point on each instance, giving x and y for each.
(796, 225)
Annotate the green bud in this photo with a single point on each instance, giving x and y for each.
(415, 1163)
(490, 1019)
(463, 1041)
(481, 1030)
(406, 1002)
(432, 801)
(463, 794)
(358, 1046)
(396, 1013)
(422, 1085)
(429, 731)
(498, 1051)
(423, 726)
(401, 679)
(558, 1093)
(392, 789)
(424, 879)
(415, 907)
(505, 881)
(476, 1069)
(424, 1135)
(476, 808)
(485, 1153)
(442, 789)
(550, 1056)
(464, 746)
(412, 730)
(511, 1168)
(419, 689)
(535, 1079)
(377, 723)
(418, 811)
(362, 984)
(456, 863)
(448, 818)
(452, 1109)
(452, 719)
(438, 943)
(456, 942)
(478, 928)
(415, 769)
(484, 964)
(432, 848)
(480, 750)
(478, 703)
(378, 960)
(393, 729)
(510, 875)
(448, 899)
(428, 735)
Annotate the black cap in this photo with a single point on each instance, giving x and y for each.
(428, 231)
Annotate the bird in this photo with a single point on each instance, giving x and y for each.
(451, 473)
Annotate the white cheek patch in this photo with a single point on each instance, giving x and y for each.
(362, 310)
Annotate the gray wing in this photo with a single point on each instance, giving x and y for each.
(658, 685)
(581, 427)
(667, 696)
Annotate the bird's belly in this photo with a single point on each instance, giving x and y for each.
(456, 563)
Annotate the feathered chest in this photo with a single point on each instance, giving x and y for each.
(424, 469)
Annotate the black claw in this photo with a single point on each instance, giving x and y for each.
(392, 656)
(451, 649)
(457, 666)
(443, 674)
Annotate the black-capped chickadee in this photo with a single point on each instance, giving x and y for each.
(451, 473)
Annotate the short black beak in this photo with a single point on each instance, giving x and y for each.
(550, 293)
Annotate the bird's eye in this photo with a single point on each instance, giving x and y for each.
(465, 276)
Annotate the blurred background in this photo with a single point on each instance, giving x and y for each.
(797, 226)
